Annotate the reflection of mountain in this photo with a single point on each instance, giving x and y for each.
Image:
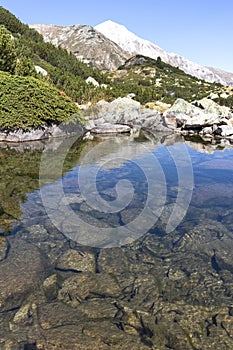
(112, 153)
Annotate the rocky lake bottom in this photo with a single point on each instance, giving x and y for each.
(116, 243)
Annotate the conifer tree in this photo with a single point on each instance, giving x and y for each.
(25, 67)
(7, 51)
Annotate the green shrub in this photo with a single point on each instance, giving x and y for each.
(7, 50)
(26, 102)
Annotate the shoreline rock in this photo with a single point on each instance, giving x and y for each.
(204, 118)
(107, 128)
(41, 133)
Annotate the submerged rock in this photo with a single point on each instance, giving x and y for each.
(51, 286)
(86, 286)
(77, 260)
(4, 246)
(20, 274)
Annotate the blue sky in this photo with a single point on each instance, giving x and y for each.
(201, 31)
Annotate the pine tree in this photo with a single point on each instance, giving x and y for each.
(25, 67)
(7, 51)
(159, 62)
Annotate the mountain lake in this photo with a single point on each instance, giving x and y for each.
(116, 243)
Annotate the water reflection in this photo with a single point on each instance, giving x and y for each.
(115, 163)
(19, 171)
(166, 289)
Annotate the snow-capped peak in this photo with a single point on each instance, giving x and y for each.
(136, 45)
(129, 41)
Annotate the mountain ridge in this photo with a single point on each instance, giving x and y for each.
(85, 43)
(117, 44)
(122, 36)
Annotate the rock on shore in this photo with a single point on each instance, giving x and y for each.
(204, 117)
(124, 115)
(125, 112)
(42, 133)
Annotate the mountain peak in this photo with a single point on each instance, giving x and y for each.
(115, 31)
(109, 44)
(110, 24)
(88, 45)
(130, 42)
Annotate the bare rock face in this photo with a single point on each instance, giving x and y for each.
(86, 43)
(226, 76)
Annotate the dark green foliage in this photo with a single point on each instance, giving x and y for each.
(26, 102)
(25, 67)
(65, 71)
(225, 101)
(159, 63)
(12, 23)
(7, 51)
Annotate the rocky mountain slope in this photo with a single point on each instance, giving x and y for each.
(109, 44)
(226, 76)
(88, 45)
(135, 45)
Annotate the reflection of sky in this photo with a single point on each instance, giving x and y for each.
(213, 168)
(208, 168)
(108, 176)
(172, 189)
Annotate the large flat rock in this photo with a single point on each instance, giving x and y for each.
(107, 128)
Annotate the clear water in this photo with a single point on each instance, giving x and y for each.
(108, 183)
(165, 203)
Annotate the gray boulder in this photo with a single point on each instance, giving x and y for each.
(224, 130)
(151, 119)
(211, 107)
(107, 128)
(120, 111)
(42, 133)
(125, 111)
(196, 115)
